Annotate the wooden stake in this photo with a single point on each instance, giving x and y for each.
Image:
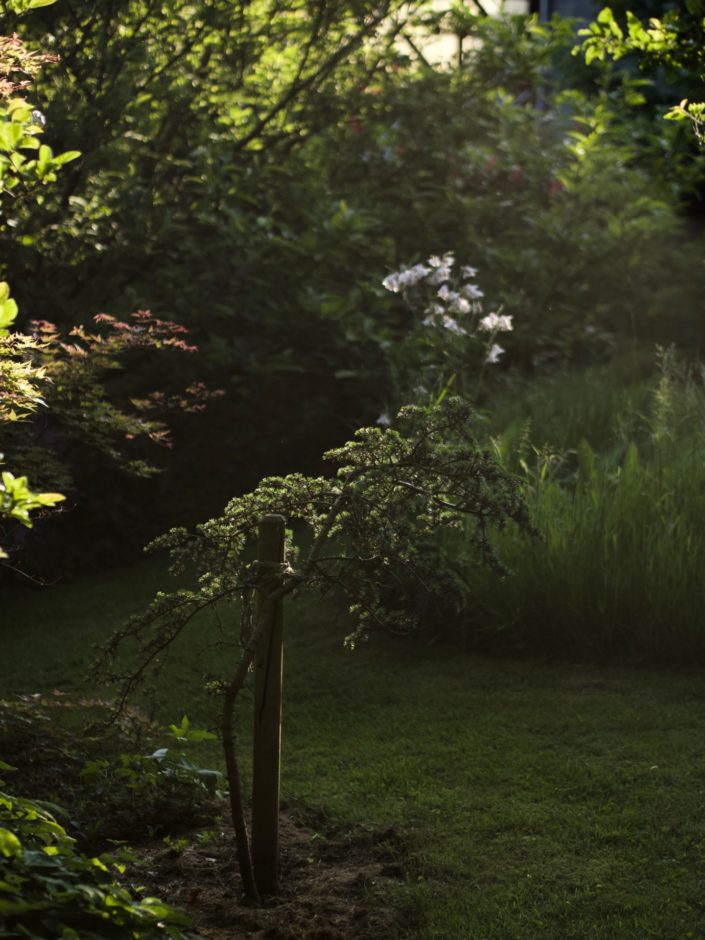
(268, 708)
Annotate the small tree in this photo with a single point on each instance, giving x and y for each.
(24, 165)
(375, 523)
(41, 367)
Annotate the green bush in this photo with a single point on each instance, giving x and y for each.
(49, 889)
(158, 792)
(558, 205)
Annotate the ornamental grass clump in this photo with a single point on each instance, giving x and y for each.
(618, 572)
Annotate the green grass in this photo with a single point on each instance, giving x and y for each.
(617, 572)
(613, 471)
(600, 403)
(536, 800)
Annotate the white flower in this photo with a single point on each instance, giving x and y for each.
(445, 293)
(450, 324)
(459, 305)
(495, 353)
(440, 275)
(447, 261)
(38, 118)
(406, 278)
(471, 291)
(468, 272)
(384, 420)
(441, 268)
(438, 317)
(418, 272)
(496, 323)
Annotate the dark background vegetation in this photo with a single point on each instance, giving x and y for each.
(252, 174)
(254, 177)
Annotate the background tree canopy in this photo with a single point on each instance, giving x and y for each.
(252, 171)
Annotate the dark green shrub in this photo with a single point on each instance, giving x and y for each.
(121, 782)
(157, 793)
(49, 889)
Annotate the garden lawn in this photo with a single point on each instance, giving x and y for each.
(534, 800)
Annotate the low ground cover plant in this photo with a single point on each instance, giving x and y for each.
(50, 889)
(123, 782)
(75, 801)
(159, 792)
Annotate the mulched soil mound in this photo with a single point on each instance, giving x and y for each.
(331, 888)
(333, 882)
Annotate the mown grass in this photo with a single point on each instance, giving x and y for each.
(535, 800)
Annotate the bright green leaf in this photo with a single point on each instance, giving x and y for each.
(67, 157)
(8, 312)
(10, 136)
(10, 845)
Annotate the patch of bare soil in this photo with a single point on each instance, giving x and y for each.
(332, 884)
(330, 888)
